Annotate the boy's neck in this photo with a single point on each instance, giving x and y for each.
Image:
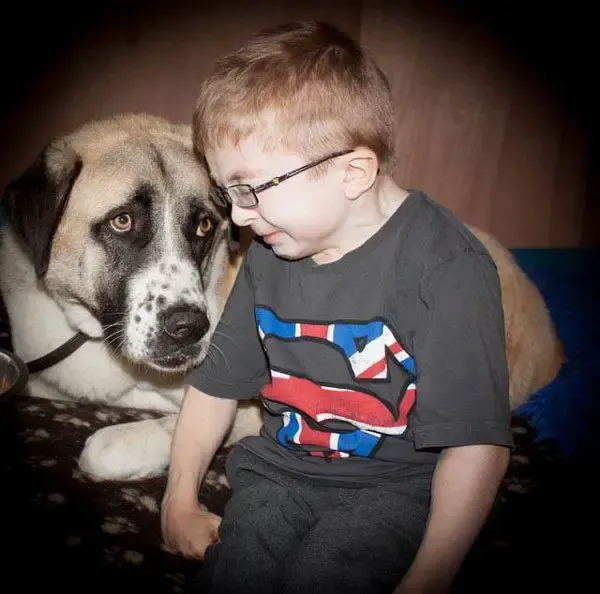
(368, 214)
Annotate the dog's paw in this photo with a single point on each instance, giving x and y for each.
(126, 452)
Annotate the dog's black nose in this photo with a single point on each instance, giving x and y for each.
(185, 324)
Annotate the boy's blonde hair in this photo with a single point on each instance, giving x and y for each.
(304, 87)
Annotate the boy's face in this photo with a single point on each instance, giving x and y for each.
(302, 216)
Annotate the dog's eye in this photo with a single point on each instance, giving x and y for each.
(122, 223)
(204, 227)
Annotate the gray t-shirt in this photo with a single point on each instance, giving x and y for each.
(369, 365)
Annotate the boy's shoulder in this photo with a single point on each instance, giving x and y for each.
(435, 235)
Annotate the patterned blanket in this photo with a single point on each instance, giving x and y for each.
(67, 531)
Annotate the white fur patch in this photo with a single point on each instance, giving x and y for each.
(80, 318)
(167, 282)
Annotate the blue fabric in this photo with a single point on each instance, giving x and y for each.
(567, 412)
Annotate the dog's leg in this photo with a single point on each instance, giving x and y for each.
(247, 422)
(129, 451)
(148, 399)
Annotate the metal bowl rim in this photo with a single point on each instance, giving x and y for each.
(21, 379)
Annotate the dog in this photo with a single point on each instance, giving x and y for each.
(534, 352)
(111, 235)
(110, 240)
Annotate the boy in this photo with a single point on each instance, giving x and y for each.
(370, 321)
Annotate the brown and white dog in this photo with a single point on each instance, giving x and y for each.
(111, 234)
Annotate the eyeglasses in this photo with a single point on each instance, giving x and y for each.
(245, 195)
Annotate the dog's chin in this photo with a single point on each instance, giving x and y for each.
(175, 362)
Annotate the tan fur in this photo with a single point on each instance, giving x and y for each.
(116, 154)
(235, 260)
(534, 352)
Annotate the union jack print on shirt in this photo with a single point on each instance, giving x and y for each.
(366, 346)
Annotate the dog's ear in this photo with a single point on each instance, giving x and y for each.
(233, 231)
(34, 202)
(233, 235)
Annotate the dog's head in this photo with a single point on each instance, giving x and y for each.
(121, 231)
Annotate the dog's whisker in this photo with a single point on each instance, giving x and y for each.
(218, 349)
(120, 329)
(114, 338)
(210, 357)
(218, 333)
(116, 334)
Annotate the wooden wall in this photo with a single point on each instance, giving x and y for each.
(481, 126)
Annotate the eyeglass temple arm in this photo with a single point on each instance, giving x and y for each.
(281, 178)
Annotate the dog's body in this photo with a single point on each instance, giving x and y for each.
(148, 298)
(148, 287)
(533, 351)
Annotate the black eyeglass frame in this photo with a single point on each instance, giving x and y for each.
(223, 197)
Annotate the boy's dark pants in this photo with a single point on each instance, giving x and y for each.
(282, 534)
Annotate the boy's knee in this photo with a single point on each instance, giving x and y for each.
(329, 575)
(335, 561)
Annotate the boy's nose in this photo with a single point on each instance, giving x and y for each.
(243, 217)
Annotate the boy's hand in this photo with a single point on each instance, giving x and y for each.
(465, 484)
(190, 529)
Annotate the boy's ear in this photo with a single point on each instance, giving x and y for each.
(362, 167)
